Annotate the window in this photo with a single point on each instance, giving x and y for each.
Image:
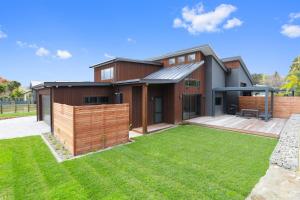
(243, 84)
(180, 59)
(171, 61)
(192, 83)
(95, 100)
(191, 57)
(119, 98)
(107, 73)
(218, 101)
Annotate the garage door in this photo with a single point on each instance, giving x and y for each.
(46, 109)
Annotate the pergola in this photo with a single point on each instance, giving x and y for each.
(264, 89)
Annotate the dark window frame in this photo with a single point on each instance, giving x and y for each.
(95, 100)
(192, 83)
(218, 101)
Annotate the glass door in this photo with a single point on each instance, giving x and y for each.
(158, 110)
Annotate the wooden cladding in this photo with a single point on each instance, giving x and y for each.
(283, 107)
(198, 57)
(232, 64)
(83, 129)
(63, 121)
(126, 71)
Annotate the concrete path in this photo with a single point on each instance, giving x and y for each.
(21, 127)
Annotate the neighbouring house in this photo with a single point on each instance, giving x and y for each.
(166, 89)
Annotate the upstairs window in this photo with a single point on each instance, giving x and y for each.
(191, 57)
(181, 59)
(107, 74)
(95, 100)
(171, 61)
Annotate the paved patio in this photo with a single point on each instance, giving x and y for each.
(21, 127)
(272, 128)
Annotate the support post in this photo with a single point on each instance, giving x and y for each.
(272, 103)
(213, 102)
(266, 105)
(145, 108)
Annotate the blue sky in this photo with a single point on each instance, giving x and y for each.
(59, 40)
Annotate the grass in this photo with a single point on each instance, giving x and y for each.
(18, 114)
(187, 162)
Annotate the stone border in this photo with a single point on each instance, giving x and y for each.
(286, 152)
(61, 154)
(57, 148)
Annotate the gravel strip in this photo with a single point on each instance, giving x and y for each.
(60, 153)
(286, 152)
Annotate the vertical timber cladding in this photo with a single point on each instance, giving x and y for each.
(181, 89)
(283, 107)
(100, 126)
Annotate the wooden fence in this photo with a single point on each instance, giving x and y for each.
(283, 106)
(15, 108)
(89, 128)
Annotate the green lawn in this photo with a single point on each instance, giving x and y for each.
(187, 162)
(18, 114)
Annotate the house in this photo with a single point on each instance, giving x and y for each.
(169, 88)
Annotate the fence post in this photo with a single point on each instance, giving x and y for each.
(28, 107)
(15, 108)
(1, 109)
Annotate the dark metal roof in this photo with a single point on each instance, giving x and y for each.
(254, 88)
(172, 74)
(125, 60)
(69, 84)
(243, 65)
(205, 49)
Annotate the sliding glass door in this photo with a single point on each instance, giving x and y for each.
(191, 104)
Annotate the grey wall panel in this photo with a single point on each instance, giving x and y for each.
(243, 77)
(215, 77)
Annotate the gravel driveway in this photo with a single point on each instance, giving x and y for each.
(21, 127)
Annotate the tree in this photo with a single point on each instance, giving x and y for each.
(292, 80)
(16, 93)
(258, 79)
(295, 67)
(274, 80)
(2, 88)
(12, 85)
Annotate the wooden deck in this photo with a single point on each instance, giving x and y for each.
(154, 127)
(255, 126)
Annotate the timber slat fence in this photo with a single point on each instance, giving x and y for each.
(17, 108)
(89, 128)
(283, 107)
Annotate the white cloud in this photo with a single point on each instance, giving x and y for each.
(21, 44)
(291, 31)
(130, 40)
(231, 23)
(196, 20)
(2, 35)
(26, 45)
(42, 52)
(294, 16)
(108, 55)
(63, 54)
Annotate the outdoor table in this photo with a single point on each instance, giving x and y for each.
(249, 111)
